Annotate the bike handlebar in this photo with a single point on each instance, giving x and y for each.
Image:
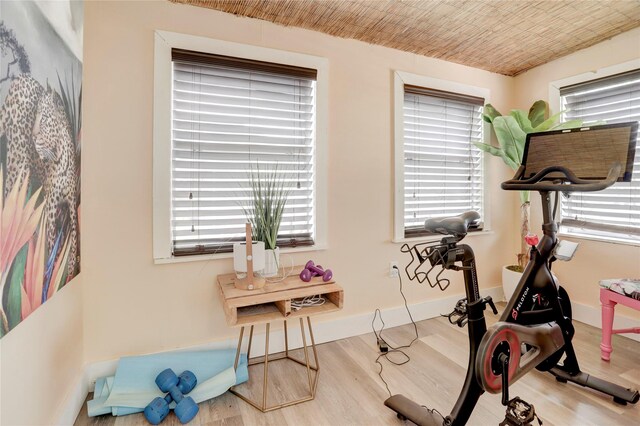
(575, 184)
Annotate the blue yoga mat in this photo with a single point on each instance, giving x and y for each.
(133, 385)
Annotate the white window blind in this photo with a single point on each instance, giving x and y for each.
(231, 116)
(443, 172)
(615, 212)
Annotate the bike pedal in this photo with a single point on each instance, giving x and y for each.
(459, 314)
(462, 321)
(520, 413)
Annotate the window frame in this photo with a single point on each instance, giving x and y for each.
(164, 42)
(556, 101)
(400, 78)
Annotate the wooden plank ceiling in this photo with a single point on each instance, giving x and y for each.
(503, 36)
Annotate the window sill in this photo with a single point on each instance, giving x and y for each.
(437, 237)
(607, 240)
(207, 257)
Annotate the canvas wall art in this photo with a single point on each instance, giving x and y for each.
(40, 138)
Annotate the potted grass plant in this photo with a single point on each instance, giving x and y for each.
(511, 133)
(267, 196)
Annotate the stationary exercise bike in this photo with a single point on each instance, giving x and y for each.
(535, 329)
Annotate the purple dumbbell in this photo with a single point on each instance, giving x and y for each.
(306, 274)
(310, 270)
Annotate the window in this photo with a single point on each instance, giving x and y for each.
(614, 213)
(441, 169)
(223, 111)
(233, 117)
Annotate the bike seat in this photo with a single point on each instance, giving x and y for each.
(454, 225)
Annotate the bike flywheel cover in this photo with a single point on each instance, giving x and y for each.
(494, 336)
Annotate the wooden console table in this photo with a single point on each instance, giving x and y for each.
(273, 303)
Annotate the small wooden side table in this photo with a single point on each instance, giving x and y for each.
(246, 308)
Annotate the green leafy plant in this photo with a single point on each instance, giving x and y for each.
(511, 132)
(20, 215)
(267, 199)
(72, 106)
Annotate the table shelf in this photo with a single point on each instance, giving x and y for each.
(245, 317)
(273, 301)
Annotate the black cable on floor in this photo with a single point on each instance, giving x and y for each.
(392, 349)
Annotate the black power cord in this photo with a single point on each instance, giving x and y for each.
(385, 348)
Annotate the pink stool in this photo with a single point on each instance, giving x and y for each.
(613, 292)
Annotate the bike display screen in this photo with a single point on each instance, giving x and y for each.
(589, 152)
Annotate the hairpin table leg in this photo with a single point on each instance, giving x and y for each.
(312, 380)
(266, 371)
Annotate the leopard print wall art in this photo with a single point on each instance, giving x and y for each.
(40, 123)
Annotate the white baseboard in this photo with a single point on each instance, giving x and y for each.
(73, 401)
(323, 331)
(592, 315)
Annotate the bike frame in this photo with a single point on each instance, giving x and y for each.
(537, 302)
(477, 326)
(536, 279)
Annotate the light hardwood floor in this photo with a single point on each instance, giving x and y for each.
(351, 393)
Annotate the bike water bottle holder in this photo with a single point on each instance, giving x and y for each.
(440, 253)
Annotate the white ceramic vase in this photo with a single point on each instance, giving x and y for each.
(240, 258)
(510, 280)
(271, 262)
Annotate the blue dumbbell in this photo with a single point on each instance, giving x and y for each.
(186, 408)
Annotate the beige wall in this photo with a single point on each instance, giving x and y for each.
(41, 360)
(133, 306)
(594, 260)
(126, 305)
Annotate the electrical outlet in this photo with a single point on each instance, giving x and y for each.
(393, 271)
